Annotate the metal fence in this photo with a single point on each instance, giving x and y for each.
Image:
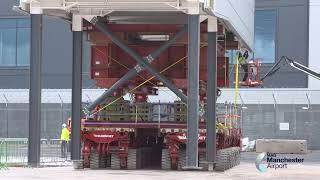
(14, 152)
(14, 120)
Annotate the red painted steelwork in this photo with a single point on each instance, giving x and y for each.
(140, 124)
(182, 138)
(106, 137)
(228, 138)
(105, 142)
(118, 142)
(109, 63)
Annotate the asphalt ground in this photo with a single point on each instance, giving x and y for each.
(310, 169)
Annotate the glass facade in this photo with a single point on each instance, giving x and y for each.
(265, 35)
(14, 42)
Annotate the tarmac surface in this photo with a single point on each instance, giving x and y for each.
(310, 169)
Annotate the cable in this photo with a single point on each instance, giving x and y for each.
(237, 81)
(165, 69)
(115, 60)
(273, 69)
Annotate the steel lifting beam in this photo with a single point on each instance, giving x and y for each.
(133, 72)
(143, 63)
(193, 90)
(35, 91)
(211, 98)
(76, 95)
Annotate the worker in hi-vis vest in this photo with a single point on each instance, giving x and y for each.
(64, 138)
(243, 63)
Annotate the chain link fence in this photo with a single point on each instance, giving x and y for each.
(14, 152)
(261, 113)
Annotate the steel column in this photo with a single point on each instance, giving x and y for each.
(35, 91)
(76, 95)
(211, 98)
(133, 72)
(193, 90)
(143, 62)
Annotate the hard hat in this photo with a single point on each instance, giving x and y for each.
(64, 125)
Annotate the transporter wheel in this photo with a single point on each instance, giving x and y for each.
(238, 155)
(103, 161)
(231, 158)
(222, 160)
(132, 159)
(80, 164)
(235, 156)
(115, 162)
(108, 161)
(228, 158)
(94, 160)
(202, 159)
(181, 159)
(165, 160)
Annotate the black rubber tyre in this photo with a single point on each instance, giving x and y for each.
(115, 162)
(222, 160)
(202, 159)
(94, 160)
(235, 156)
(231, 158)
(79, 164)
(132, 159)
(108, 161)
(103, 161)
(228, 158)
(181, 159)
(238, 155)
(165, 160)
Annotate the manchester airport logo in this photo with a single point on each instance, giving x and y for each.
(265, 161)
(260, 165)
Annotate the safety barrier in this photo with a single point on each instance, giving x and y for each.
(14, 152)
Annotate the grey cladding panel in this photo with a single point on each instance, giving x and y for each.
(18, 123)
(6, 8)
(3, 123)
(315, 129)
(292, 40)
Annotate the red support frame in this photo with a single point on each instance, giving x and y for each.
(118, 142)
(105, 142)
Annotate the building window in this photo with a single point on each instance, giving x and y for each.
(14, 42)
(265, 35)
